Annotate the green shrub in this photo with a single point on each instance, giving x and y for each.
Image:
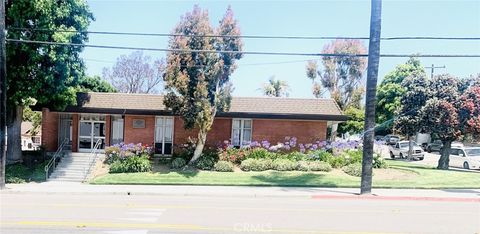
(338, 161)
(205, 162)
(295, 156)
(353, 156)
(233, 155)
(320, 155)
(256, 164)
(131, 164)
(223, 166)
(314, 166)
(284, 165)
(259, 153)
(379, 162)
(354, 169)
(178, 163)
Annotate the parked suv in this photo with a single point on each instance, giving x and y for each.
(401, 150)
(465, 157)
(391, 139)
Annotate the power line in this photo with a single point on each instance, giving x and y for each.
(248, 52)
(242, 36)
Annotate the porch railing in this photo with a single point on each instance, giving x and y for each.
(53, 160)
(92, 159)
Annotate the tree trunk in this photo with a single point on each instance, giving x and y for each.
(202, 137)
(14, 139)
(333, 133)
(444, 155)
(372, 74)
(410, 148)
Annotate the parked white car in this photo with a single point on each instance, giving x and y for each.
(465, 157)
(400, 149)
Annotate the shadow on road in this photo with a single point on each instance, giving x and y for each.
(462, 191)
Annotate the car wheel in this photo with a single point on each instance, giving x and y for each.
(466, 166)
(421, 158)
(429, 149)
(392, 156)
(401, 156)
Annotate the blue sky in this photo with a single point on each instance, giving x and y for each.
(302, 18)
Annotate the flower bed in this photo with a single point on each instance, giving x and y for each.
(128, 158)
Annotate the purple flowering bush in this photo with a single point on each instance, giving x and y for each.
(122, 151)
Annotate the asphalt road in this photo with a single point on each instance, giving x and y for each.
(139, 214)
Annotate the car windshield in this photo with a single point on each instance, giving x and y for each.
(405, 144)
(473, 152)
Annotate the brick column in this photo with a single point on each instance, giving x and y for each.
(49, 130)
(74, 132)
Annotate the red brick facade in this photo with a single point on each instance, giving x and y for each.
(273, 130)
(49, 130)
(139, 135)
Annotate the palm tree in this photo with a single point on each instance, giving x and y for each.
(275, 88)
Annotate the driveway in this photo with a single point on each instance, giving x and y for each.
(430, 159)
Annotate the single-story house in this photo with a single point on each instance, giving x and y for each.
(31, 137)
(143, 118)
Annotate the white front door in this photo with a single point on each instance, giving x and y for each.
(91, 129)
(163, 135)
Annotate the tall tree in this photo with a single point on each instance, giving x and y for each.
(135, 73)
(341, 76)
(440, 115)
(372, 74)
(95, 84)
(390, 91)
(46, 73)
(275, 88)
(409, 121)
(197, 83)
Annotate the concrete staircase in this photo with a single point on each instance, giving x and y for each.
(71, 167)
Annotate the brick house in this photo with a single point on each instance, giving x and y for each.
(142, 118)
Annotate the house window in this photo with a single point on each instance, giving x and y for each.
(117, 129)
(241, 131)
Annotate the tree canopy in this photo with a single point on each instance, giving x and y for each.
(390, 91)
(95, 84)
(135, 73)
(197, 84)
(47, 73)
(275, 88)
(341, 76)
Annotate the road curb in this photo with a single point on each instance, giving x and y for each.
(397, 198)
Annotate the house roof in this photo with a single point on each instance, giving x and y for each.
(27, 127)
(248, 107)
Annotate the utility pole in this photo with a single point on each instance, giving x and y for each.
(433, 69)
(3, 96)
(372, 74)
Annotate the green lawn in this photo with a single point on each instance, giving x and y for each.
(417, 177)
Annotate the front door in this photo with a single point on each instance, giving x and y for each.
(91, 130)
(163, 135)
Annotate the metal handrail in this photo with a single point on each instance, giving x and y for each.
(92, 158)
(53, 160)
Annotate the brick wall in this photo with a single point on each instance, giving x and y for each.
(220, 131)
(276, 130)
(75, 118)
(49, 130)
(139, 135)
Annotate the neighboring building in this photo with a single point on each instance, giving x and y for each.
(30, 138)
(143, 118)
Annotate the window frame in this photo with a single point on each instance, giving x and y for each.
(241, 129)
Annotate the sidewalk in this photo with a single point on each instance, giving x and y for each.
(241, 191)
